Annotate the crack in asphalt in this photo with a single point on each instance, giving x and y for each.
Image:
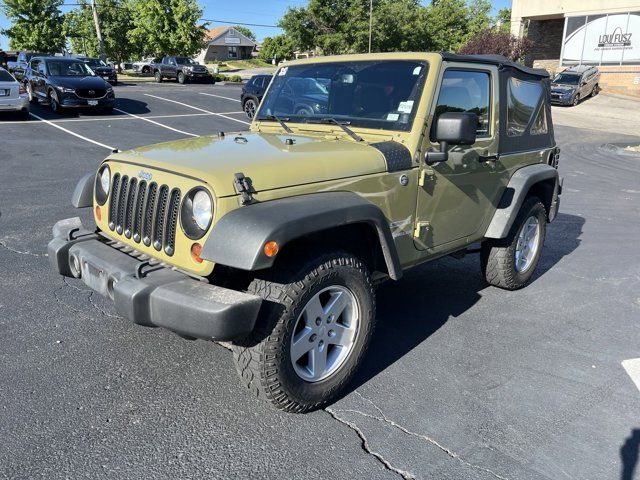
(384, 419)
(367, 448)
(89, 298)
(21, 252)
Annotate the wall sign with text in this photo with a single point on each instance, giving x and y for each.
(612, 39)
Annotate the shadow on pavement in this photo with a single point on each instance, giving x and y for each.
(412, 309)
(131, 106)
(629, 454)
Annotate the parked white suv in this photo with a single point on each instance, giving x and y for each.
(144, 65)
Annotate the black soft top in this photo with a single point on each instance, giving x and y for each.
(499, 60)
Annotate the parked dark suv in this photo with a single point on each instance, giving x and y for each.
(101, 69)
(575, 84)
(67, 83)
(253, 92)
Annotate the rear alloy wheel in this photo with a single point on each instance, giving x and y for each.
(250, 107)
(314, 326)
(158, 76)
(509, 263)
(576, 100)
(181, 78)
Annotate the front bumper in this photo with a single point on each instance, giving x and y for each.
(14, 104)
(561, 100)
(151, 294)
(69, 101)
(198, 75)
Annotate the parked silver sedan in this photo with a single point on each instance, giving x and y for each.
(13, 95)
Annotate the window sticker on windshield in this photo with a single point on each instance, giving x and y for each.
(393, 117)
(417, 70)
(406, 107)
(283, 71)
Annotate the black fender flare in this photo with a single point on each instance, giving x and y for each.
(83, 193)
(515, 193)
(237, 239)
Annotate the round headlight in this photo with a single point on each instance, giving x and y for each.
(202, 209)
(196, 213)
(103, 184)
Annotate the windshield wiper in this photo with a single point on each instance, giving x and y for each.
(279, 120)
(342, 125)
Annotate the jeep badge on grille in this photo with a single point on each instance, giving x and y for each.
(144, 175)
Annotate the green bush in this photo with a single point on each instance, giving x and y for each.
(235, 79)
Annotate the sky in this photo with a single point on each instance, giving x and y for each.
(263, 12)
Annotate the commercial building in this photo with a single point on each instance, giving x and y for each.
(605, 33)
(226, 43)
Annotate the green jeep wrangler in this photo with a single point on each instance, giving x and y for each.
(355, 169)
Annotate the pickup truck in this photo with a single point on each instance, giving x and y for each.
(18, 67)
(182, 69)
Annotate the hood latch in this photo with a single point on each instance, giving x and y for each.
(244, 187)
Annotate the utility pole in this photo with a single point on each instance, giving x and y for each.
(94, 8)
(370, 22)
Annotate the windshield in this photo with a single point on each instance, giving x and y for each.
(567, 79)
(184, 61)
(94, 62)
(380, 94)
(65, 68)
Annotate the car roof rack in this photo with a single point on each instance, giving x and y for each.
(498, 60)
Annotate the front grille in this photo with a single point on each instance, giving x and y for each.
(145, 212)
(91, 93)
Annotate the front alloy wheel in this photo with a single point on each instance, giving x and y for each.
(158, 76)
(54, 103)
(314, 326)
(576, 100)
(32, 97)
(181, 77)
(250, 107)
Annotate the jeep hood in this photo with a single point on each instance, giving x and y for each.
(267, 158)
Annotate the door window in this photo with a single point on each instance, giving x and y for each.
(42, 70)
(466, 91)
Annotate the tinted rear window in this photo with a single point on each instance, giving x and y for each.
(6, 76)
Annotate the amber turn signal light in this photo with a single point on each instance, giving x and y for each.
(98, 213)
(271, 248)
(196, 250)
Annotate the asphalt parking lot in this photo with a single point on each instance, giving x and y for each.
(463, 381)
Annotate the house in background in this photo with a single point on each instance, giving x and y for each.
(226, 43)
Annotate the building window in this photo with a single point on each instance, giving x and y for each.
(233, 52)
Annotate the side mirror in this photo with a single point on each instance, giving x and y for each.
(455, 128)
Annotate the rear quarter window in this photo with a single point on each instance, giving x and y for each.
(6, 76)
(523, 98)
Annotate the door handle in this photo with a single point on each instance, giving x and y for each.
(488, 158)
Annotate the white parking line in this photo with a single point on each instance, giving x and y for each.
(220, 96)
(72, 133)
(111, 117)
(198, 108)
(632, 367)
(156, 123)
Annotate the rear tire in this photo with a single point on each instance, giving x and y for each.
(320, 308)
(158, 76)
(509, 263)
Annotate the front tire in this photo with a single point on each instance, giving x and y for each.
(250, 107)
(158, 76)
(181, 78)
(54, 103)
(32, 98)
(576, 100)
(509, 263)
(313, 329)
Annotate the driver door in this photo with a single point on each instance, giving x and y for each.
(455, 197)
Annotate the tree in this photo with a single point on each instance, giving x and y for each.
(36, 25)
(342, 26)
(448, 22)
(280, 47)
(115, 23)
(246, 32)
(503, 19)
(501, 43)
(166, 27)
